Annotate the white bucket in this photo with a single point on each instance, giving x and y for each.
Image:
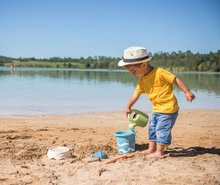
(58, 152)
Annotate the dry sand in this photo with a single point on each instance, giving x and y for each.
(193, 157)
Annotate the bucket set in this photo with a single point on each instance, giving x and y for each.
(126, 138)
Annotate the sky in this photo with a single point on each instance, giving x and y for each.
(82, 28)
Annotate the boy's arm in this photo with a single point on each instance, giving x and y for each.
(131, 102)
(189, 95)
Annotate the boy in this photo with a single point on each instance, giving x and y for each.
(157, 84)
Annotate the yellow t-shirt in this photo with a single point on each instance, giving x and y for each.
(159, 88)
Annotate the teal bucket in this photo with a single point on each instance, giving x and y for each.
(125, 141)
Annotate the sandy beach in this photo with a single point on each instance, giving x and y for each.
(192, 158)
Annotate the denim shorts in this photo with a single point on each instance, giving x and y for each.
(160, 125)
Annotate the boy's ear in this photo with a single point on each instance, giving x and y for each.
(144, 64)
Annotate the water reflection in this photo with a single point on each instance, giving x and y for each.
(208, 82)
(32, 91)
(202, 81)
(86, 75)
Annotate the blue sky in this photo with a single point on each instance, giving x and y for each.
(70, 28)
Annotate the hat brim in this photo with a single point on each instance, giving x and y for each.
(122, 63)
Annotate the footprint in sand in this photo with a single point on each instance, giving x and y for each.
(42, 130)
(18, 137)
(8, 131)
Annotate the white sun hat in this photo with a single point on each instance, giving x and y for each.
(134, 55)
(58, 152)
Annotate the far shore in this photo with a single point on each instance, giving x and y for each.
(18, 68)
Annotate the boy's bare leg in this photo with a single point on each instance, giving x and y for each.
(159, 153)
(166, 146)
(151, 149)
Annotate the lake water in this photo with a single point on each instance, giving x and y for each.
(64, 91)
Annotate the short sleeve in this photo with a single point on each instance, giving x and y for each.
(139, 89)
(167, 76)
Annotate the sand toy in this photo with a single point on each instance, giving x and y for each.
(137, 118)
(125, 141)
(58, 152)
(100, 155)
(125, 156)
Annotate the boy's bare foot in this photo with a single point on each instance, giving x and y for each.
(155, 155)
(148, 152)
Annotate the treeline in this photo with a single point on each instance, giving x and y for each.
(175, 61)
(188, 61)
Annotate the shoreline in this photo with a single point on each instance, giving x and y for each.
(85, 113)
(194, 155)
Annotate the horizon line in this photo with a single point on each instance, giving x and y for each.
(153, 53)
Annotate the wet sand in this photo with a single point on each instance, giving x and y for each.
(192, 158)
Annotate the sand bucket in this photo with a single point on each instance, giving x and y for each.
(125, 141)
(137, 118)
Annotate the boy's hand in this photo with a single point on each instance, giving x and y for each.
(127, 111)
(190, 96)
(131, 102)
